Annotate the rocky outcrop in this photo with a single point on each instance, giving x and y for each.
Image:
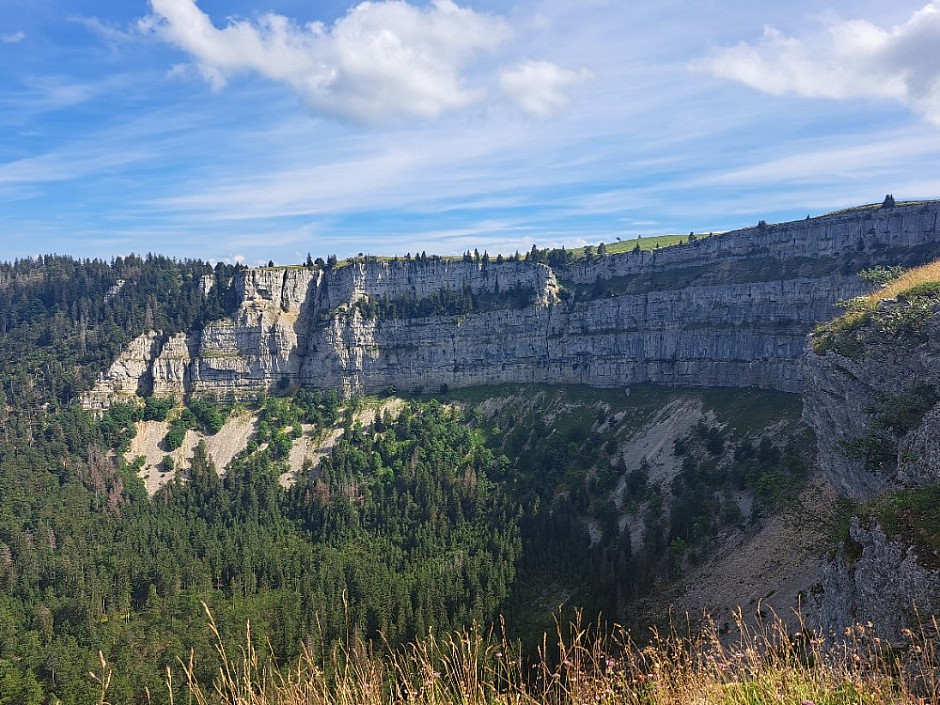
(871, 395)
(728, 310)
(128, 375)
(879, 581)
(171, 369)
(841, 399)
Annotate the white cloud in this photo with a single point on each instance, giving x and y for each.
(539, 87)
(382, 60)
(13, 38)
(851, 59)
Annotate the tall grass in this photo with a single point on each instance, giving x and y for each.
(911, 280)
(916, 289)
(586, 664)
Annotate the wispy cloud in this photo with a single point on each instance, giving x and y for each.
(13, 38)
(850, 59)
(111, 33)
(451, 126)
(66, 165)
(540, 87)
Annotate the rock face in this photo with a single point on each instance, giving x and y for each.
(730, 310)
(129, 374)
(881, 582)
(732, 335)
(877, 421)
(841, 396)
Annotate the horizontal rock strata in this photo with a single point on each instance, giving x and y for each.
(728, 310)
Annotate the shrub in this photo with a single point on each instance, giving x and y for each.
(175, 435)
(875, 450)
(157, 409)
(900, 413)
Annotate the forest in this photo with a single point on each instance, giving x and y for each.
(433, 518)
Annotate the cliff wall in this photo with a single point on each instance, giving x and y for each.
(876, 421)
(728, 310)
(872, 395)
(881, 581)
(839, 236)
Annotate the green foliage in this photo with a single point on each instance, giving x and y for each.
(856, 333)
(900, 413)
(280, 419)
(66, 578)
(925, 289)
(18, 687)
(157, 408)
(881, 274)
(561, 256)
(204, 414)
(419, 494)
(208, 415)
(876, 451)
(749, 411)
(914, 515)
(176, 434)
(843, 335)
(893, 416)
(62, 320)
(119, 425)
(427, 521)
(874, 322)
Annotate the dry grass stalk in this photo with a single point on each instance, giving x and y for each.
(680, 665)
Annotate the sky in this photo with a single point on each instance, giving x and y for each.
(257, 130)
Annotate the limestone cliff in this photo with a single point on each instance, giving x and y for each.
(846, 399)
(872, 395)
(728, 310)
(880, 581)
(130, 374)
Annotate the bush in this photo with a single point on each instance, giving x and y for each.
(876, 451)
(881, 274)
(206, 414)
(902, 413)
(175, 435)
(157, 409)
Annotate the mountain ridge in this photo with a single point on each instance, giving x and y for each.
(725, 310)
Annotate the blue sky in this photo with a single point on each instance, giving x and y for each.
(250, 130)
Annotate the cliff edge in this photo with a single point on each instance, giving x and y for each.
(726, 310)
(872, 395)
